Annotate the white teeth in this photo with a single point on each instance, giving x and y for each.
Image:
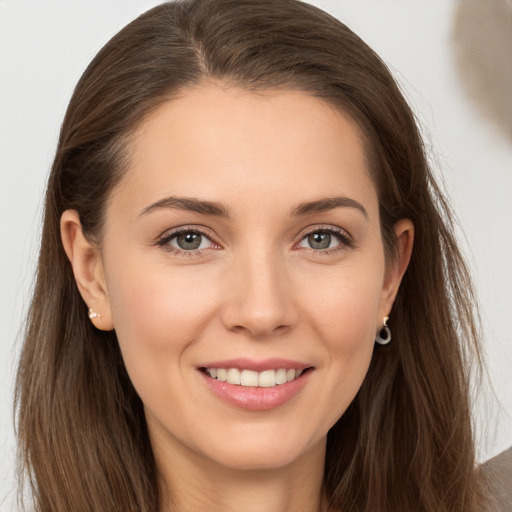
(281, 376)
(267, 379)
(233, 376)
(264, 379)
(249, 378)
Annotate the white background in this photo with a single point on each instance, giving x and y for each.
(44, 47)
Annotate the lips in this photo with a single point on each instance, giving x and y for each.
(256, 385)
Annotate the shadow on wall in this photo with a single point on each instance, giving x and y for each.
(482, 35)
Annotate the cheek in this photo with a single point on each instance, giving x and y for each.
(349, 334)
(344, 316)
(158, 315)
(156, 311)
(345, 306)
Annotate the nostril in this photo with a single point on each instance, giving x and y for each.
(260, 331)
(258, 312)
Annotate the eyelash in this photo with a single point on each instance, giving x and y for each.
(164, 241)
(345, 240)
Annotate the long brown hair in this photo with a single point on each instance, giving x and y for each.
(405, 443)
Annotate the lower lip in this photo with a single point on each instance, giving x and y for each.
(256, 398)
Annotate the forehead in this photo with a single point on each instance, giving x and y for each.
(226, 143)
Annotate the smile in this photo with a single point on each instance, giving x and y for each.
(251, 378)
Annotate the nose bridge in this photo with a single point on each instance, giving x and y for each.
(261, 302)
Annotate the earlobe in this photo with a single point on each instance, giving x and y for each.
(87, 264)
(404, 237)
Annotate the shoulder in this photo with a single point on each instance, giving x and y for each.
(498, 474)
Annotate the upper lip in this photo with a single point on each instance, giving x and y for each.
(256, 365)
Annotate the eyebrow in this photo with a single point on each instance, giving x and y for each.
(189, 204)
(328, 203)
(219, 210)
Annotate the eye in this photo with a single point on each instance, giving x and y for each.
(325, 239)
(186, 240)
(320, 240)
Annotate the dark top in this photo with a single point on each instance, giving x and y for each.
(499, 475)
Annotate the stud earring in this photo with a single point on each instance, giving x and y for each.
(93, 314)
(383, 336)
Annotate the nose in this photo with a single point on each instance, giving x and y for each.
(260, 299)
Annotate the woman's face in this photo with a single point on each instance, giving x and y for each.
(244, 243)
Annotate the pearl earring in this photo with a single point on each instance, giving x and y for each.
(93, 314)
(383, 336)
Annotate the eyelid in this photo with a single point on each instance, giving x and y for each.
(345, 238)
(163, 239)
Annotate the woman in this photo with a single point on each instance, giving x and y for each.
(239, 201)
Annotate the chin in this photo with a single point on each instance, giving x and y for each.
(274, 451)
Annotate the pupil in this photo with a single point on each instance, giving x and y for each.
(319, 240)
(189, 241)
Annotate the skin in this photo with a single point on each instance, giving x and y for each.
(256, 288)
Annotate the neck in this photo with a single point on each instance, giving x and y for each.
(189, 483)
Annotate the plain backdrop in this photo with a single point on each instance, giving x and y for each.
(44, 47)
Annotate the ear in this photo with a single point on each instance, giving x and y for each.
(395, 269)
(88, 270)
